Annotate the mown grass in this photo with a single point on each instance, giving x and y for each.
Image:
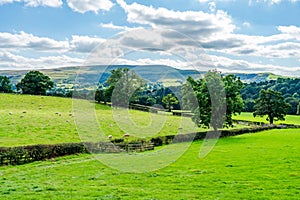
(26, 120)
(289, 119)
(252, 166)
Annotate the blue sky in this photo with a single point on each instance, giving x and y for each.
(236, 36)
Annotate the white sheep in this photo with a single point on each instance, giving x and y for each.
(126, 135)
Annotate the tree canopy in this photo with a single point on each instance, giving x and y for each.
(289, 88)
(35, 82)
(5, 85)
(122, 87)
(218, 98)
(170, 100)
(272, 104)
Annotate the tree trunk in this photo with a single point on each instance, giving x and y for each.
(271, 120)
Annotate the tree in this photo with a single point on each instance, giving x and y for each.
(100, 95)
(218, 98)
(35, 83)
(170, 100)
(5, 85)
(123, 86)
(272, 104)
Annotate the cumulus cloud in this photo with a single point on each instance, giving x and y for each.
(212, 6)
(83, 6)
(36, 3)
(24, 40)
(271, 2)
(13, 61)
(192, 23)
(84, 44)
(116, 27)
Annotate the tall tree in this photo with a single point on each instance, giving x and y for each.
(170, 100)
(272, 104)
(5, 85)
(218, 98)
(35, 83)
(123, 86)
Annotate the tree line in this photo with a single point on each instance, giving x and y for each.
(288, 87)
(213, 99)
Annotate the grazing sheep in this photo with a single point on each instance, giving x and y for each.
(126, 135)
(110, 137)
(10, 113)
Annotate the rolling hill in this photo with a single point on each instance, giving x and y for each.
(153, 73)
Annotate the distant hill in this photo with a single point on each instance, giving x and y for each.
(162, 73)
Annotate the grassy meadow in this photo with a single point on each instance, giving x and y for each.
(264, 165)
(289, 119)
(26, 120)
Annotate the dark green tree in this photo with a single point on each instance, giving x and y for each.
(218, 98)
(35, 83)
(272, 104)
(5, 85)
(123, 86)
(170, 101)
(100, 95)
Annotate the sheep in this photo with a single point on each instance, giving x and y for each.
(126, 135)
(110, 137)
(10, 113)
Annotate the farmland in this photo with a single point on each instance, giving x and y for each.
(289, 119)
(263, 165)
(26, 120)
(259, 166)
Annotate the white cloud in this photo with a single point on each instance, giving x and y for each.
(84, 44)
(195, 24)
(12, 61)
(24, 40)
(214, 32)
(212, 6)
(83, 6)
(271, 2)
(36, 3)
(246, 24)
(112, 26)
(292, 31)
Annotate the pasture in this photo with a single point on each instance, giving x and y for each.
(289, 119)
(263, 165)
(26, 120)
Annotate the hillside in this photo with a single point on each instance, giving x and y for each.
(153, 73)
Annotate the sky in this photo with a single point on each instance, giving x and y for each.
(247, 36)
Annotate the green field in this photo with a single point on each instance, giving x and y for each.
(253, 166)
(289, 119)
(50, 120)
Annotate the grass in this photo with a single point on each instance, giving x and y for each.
(50, 120)
(289, 119)
(36, 120)
(252, 166)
